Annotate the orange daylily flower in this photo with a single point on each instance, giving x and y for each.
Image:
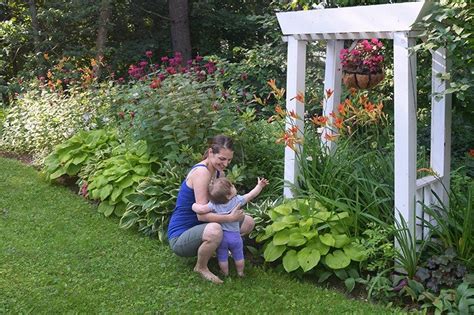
(329, 93)
(338, 122)
(330, 137)
(280, 111)
(293, 114)
(369, 106)
(319, 120)
(272, 84)
(341, 109)
(300, 97)
(294, 130)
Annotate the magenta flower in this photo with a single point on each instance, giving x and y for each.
(366, 57)
(171, 70)
(149, 53)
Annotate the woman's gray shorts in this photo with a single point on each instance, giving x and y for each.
(187, 244)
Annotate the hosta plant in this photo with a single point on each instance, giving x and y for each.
(304, 233)
(118, 176)
(72, 155)
(150, 207)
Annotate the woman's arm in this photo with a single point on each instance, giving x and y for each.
(199, 181)
(201, 209)
(236, 214)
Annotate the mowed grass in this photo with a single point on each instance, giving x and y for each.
(58, 255)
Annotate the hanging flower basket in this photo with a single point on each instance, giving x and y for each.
(362, 65)
(360, 80)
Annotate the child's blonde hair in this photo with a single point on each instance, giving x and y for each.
(219, 190)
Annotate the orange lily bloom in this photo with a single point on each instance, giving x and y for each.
(329, 93)
(300, 97)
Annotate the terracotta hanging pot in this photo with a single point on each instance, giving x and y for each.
(360, 80)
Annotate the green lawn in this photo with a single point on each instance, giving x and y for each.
(57, 255)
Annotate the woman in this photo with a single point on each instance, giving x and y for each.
(188, 233)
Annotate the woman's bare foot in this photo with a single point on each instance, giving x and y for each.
(206, 274)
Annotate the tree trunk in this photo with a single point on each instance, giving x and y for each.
(36, 30)
(180, 33)
(101, 41)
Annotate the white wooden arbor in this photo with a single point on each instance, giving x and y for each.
(388, 21)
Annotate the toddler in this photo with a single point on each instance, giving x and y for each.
(223, 199)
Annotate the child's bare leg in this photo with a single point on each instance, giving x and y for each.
(224, 265)
(239, 265)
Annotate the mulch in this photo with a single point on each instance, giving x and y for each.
(24, 158)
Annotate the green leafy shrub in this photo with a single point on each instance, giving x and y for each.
(150, 207)
(442, 271)
(378, 243)
(118, 176)
(257, 151)
(41, 119)
(450, 301)
(73, 154)
(175, 119)
(454, 227)
(303, 232)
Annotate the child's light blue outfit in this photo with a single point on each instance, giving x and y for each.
(231, 240)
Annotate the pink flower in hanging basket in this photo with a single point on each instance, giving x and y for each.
(366, 57)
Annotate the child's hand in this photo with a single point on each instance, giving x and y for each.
(262, 182)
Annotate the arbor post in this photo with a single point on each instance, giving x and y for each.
(295, 83)
(405, 128)
(332, 81)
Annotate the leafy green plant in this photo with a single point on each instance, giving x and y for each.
(150, 207)
(450, 301)
(178, 113)
(452, 225)
(118, 176)
(442, 271)
(41, 119)
(303, 233)
(408, 252)
(447, 25)
(73, 154)
(378, 244)
(350, 276)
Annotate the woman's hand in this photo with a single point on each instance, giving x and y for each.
(236, 214)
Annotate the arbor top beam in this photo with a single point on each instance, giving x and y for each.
(372, 19)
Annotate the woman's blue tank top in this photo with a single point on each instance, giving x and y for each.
(183, 217)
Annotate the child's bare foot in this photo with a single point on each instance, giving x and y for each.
(206, 274)
(225, 274)
(241, 274)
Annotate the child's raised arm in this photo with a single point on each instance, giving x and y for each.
(201, 209)
(261, 183)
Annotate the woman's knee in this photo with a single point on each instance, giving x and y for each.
(247, 225)
(213, 231)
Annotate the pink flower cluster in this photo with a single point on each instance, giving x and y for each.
(170, 66)
(366, 57)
